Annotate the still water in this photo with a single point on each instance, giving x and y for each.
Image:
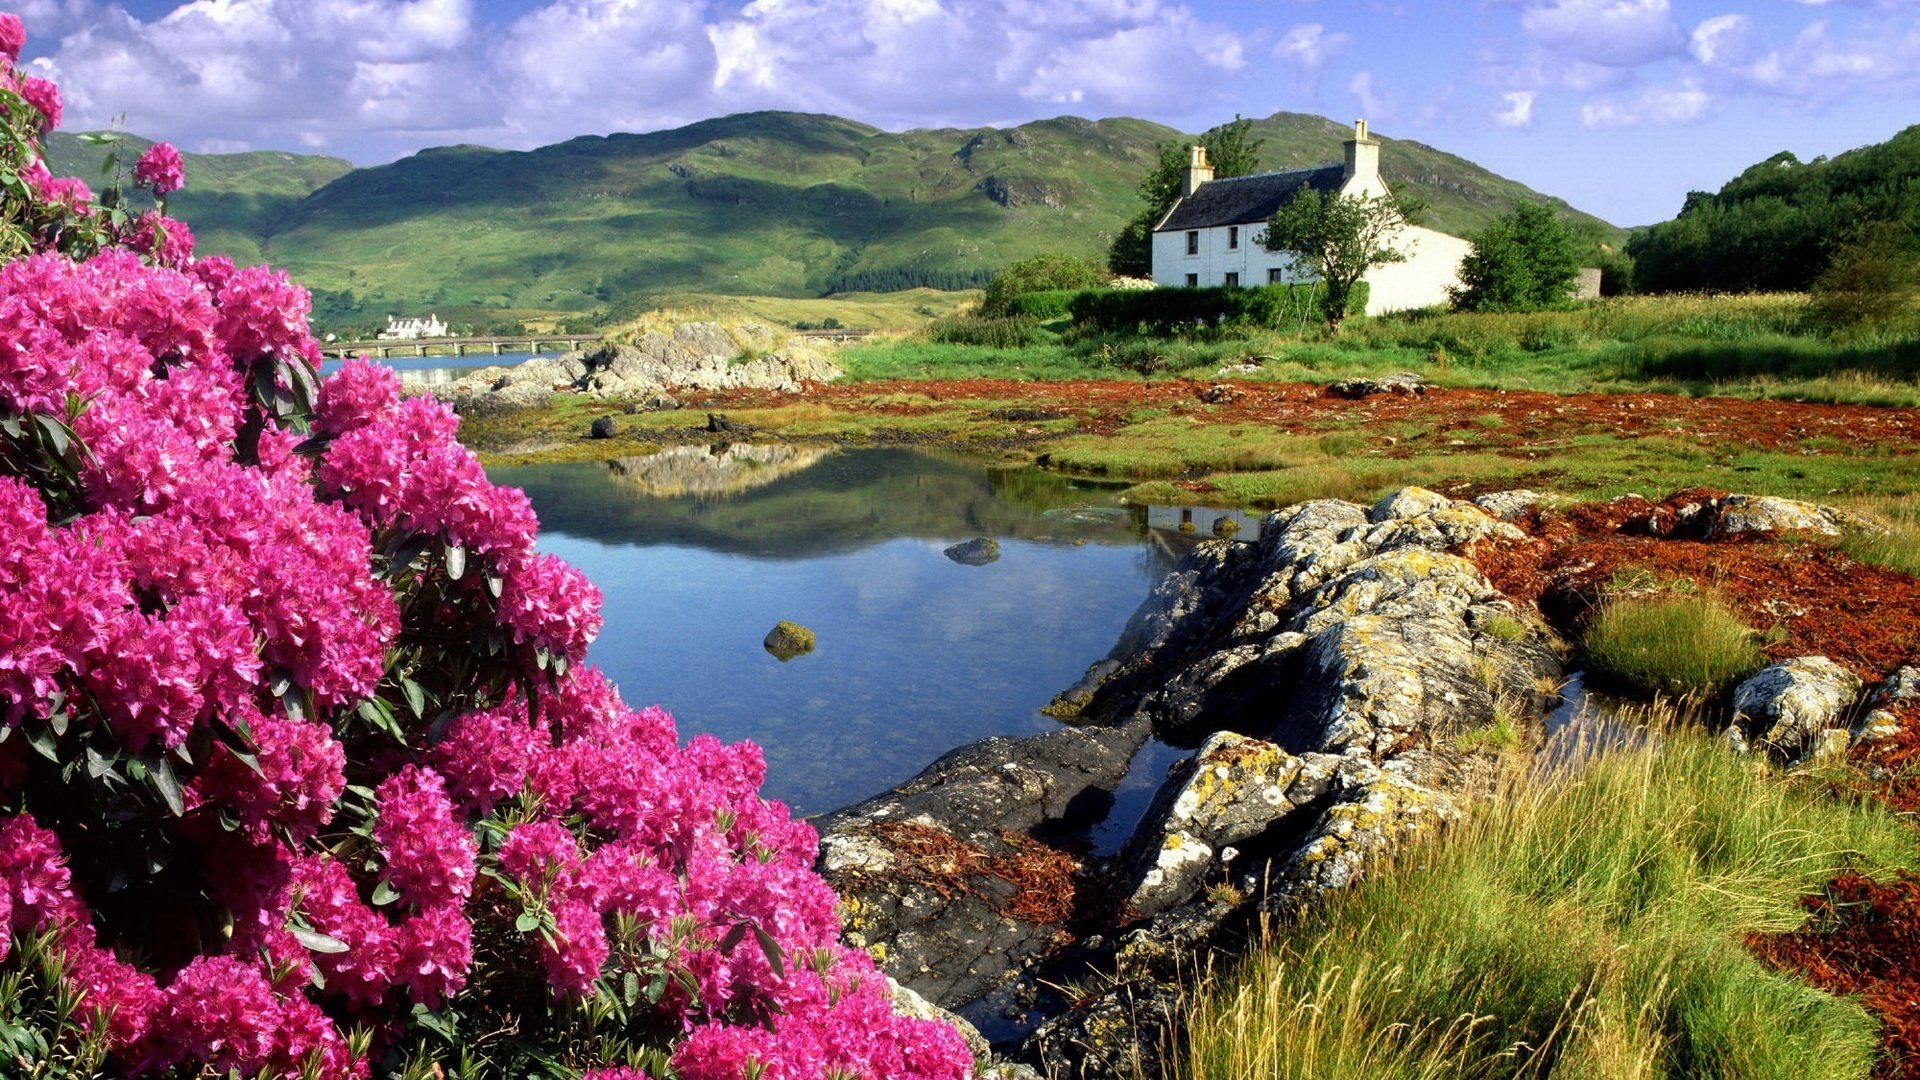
(700, 550)
(439, 370)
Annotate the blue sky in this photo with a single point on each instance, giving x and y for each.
(1618, 106)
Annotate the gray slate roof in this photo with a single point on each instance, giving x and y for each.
(1245, 200)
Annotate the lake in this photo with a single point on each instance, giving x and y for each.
(439, 370)
(700, 550)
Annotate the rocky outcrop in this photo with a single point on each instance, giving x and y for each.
(949, 878)
(1765, 514)
(1786, 708)
(1340, 678)
(1405, 382)
(688, 356)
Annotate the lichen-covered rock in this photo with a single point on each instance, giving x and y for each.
(1404, 382)
(1784, 707)
(688, 356)
(1118, 1033)
(1232, 790)
(1408, 502)
(1766, 514)
(1892, 704)
(1509, 505)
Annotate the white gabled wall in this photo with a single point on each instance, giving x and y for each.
(1251, 260)
(1432, 267)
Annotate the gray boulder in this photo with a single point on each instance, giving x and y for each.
(1766, 514)
(1785, 707)
(604, 427)
(1405, 382)
(1892, 703)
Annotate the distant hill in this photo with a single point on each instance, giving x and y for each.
(771, 203)
(234, 202)
(1776, 225)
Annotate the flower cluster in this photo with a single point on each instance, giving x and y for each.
(160, 170)
(280, 659)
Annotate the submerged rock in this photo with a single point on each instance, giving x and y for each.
(976, 552)
(788, 639)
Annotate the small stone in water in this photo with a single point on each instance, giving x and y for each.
(787, 640)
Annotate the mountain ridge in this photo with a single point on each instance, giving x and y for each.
(774, 203)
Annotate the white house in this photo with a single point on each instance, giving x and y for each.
(1213, 234)
(399, 329)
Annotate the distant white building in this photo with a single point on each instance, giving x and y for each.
(399, 329)
(1213, 235)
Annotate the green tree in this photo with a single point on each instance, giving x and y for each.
(1232, 151)
(1342, 237)
(1870, 280)
(1048, 270)
(1524, 260)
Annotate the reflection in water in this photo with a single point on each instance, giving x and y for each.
(710, 472)
(916, 654)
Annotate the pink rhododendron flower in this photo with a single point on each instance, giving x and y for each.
(45, 98)
(169, 242)
(13, 35)
(160, 170)
(430, 853)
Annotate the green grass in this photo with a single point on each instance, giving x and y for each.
(1587, 928)
(1688, 647)
(1895, 542)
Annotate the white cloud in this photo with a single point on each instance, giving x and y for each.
(1374, 102)
(259, 71)
(1721, 38)
(1685, 103)
(375, 78)
(1307, 48)
(1518, 109)
(1617, 33)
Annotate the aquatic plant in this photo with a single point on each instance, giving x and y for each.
(301, 770)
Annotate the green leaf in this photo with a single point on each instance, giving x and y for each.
(99, 765)
(734, 937)
(527, 922)
(43, 742)
(496, 582)
(404, 553)
(630, 988)
(166, 784)
(776, 957)
(318, 942)
(56, 434)
(384, 893)
(456, 561)
(416, 698)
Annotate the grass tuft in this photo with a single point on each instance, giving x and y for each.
(1688, 647)
(1584, 927)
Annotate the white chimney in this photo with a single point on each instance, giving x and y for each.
(1363, 154)
(1199, 171)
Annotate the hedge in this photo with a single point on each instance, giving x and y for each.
(1045, 305)
(1167, 309)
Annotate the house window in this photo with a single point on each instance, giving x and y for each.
(1193, 242)
(1276, 276)
(1233, 279)
(1233, 238)
(1193, 280)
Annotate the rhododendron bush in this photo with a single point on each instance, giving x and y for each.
(301, 770)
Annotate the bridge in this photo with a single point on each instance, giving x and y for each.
(459, 346)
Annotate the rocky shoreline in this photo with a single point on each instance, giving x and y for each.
(1346, 683)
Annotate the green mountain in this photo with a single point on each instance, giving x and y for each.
(782, 204)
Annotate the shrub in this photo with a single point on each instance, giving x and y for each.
(1523, 260)
(1040, 273)
(301, 773)
(1689, 647)
(1010, 332)
(1044, 306)
(1871, 280)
